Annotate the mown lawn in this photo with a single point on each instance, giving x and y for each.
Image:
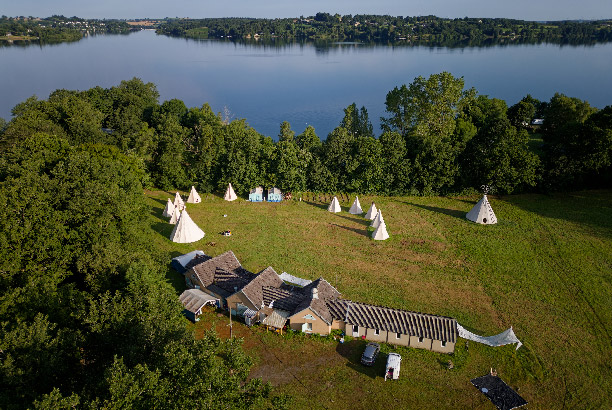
(545, 269)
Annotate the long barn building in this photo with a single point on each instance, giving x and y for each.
(314, 308)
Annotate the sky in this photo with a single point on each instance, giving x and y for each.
(537, 10)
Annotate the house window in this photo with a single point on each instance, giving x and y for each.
(355, 330)
(397, 336)
(420, 339)
(376, 332)
(307, 327)
(443, 343)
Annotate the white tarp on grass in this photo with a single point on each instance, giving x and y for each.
(504, 338)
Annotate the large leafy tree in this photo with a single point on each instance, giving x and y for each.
(425, 113)
(499, 156)
(291, 162)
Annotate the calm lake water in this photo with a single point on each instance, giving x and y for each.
(302, 84)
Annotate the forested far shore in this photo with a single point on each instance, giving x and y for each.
(430, 30)
(438, 138)
(56, 29)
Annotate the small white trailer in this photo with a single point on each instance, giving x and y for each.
(393, 366)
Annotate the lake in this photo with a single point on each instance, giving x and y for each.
(300, 83)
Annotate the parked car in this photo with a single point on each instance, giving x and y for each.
(393, 366)
(370, 353)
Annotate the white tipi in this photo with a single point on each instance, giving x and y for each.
(378, 220)
(482, 213)
(230, 195)
(356, 207)
(178, 202)
(380, 233)
(186, 231)
(334, 206)
(176, 215)
(371, 214)
(194, 197)
(169, 209)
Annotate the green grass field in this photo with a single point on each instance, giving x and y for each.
(545, 269)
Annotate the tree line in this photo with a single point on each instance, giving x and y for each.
(437, 138)
(375, 28)
(56, 29)
(87, 319)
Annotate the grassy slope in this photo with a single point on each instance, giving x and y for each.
(545, 269)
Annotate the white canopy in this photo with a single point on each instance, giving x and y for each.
(371, 214)
(194, 198)
(356, 207)
(504, 338)
(178, 202)
(186, 231)
(378, 220)
(169, 209)
(334, 206)
(380, 233)
(230, 195)
(482, 213)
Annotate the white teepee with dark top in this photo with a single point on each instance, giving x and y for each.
(178, 202)
(176, 215)
(194, 197)
(334, 206)
(378, 220)
(371, 214)
(482, 213)
(169, 209)
(356, 207)
(230, 195)
(380, 233)
(186, 231)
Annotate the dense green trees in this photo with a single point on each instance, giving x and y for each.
(437, 138)
(86, 317)
(392, 29)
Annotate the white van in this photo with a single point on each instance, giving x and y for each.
(393, 366)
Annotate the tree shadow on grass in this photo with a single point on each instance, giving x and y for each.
(450, 212)
(163, 228)
(322, 205)
(352, 351)
(176, 279)
(360, 221)
(588, 208)
(359, 231)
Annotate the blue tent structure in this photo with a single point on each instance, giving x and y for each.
(274, 195)
(256, 194)
(180, 262)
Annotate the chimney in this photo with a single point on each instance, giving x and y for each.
(315, 293)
